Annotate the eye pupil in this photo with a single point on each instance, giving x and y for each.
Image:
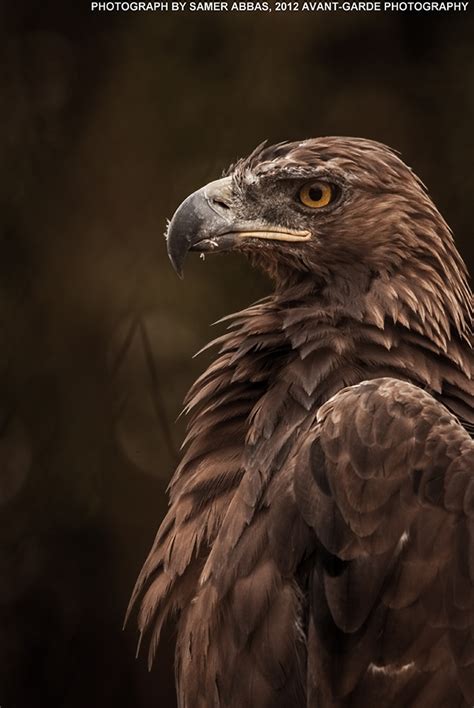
(315, 193)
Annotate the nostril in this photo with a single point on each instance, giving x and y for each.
(221, 204)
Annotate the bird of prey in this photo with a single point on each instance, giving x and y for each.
(319, 545)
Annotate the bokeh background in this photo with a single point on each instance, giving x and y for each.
(106, 122)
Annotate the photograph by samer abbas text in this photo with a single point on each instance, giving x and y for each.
(416, 6)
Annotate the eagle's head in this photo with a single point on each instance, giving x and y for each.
(327, 211)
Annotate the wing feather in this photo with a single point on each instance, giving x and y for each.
(385, 479)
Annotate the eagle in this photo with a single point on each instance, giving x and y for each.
(319, 544)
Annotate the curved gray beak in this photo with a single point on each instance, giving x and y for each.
(200, 222)
(206, 222)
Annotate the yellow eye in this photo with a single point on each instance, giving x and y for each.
(316, 194)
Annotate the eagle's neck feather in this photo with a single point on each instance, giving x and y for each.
(307, 347)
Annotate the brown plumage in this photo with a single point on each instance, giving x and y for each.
(319, 546)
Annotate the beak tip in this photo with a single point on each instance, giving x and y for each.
(177, 267)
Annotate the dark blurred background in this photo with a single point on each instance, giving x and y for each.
(107, 121)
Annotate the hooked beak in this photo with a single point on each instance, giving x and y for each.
(206, 222)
